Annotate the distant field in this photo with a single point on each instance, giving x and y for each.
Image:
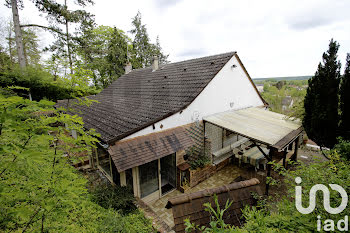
(283, 78)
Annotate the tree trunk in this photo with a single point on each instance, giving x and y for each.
(68, 46)
(18, 34)
(10, 43)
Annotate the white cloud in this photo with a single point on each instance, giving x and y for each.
(272, 37)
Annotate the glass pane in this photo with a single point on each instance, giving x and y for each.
(168, 173)
(116, 175)
(148, 178)
(103, 160)
(129, 179)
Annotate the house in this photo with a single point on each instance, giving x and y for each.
(287, 103)
(260, 87)
(151, 121)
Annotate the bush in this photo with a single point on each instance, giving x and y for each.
(40, 82)
(114, 197)
(200, 162)
(135, 222)
(343, 147)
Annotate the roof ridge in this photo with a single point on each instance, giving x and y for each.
(192, 59)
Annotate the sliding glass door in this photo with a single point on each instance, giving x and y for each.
(149, 180)
(149, 176)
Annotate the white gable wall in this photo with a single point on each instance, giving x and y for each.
(230, 89)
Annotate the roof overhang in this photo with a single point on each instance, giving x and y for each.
(140, 150)
(263, 126)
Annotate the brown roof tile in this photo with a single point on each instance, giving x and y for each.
(190, 206)
(143, 149)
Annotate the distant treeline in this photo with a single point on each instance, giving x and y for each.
(306, 77)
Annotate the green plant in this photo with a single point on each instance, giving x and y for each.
(321, 116)
(200, 162)
(115, 197)
(198, 158)
(217, 223)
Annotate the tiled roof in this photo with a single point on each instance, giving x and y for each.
(191, 206)
(143, 149)
(142, 97)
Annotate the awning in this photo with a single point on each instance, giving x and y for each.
(269, 128)
(144, 149)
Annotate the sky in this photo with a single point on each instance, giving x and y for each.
(273, 38)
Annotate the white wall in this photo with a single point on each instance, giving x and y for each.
(230, 89)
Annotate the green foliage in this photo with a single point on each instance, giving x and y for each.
(343, 148)
(131, 223)
(60, 14)
(143, 49)
(39, 189)
(104, 51)
(114, 197)
(32, 51)
(321, 101)
(344, 101)
(198, 159)
(42, 85)
(217, 223)
(200, 162)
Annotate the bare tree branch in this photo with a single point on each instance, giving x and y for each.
(43, 27)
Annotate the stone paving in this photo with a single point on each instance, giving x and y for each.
(224, 176)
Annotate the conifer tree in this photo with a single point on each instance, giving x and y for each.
(321, 101)
(144, 50)
(345, 101)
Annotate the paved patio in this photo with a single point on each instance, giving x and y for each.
(221, 177)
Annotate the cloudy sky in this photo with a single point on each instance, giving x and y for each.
(272, 37)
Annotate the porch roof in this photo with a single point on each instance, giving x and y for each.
(270, 128)
(144, 149)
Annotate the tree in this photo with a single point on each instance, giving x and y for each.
(321, 101)
(143, 49)
(18, 32)
(116, 56)
(59, 15)
(31, 48)
(104, 51)
(4, 60)
(345, 101)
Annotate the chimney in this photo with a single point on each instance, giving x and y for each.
(155, 64)
(128, 67)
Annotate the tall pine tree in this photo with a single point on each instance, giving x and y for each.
(321, 101)
(345, 101)
(143, 50)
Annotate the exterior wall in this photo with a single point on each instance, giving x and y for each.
(230, 89)
(214, 134)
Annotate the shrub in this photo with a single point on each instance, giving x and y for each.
(115, 197)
